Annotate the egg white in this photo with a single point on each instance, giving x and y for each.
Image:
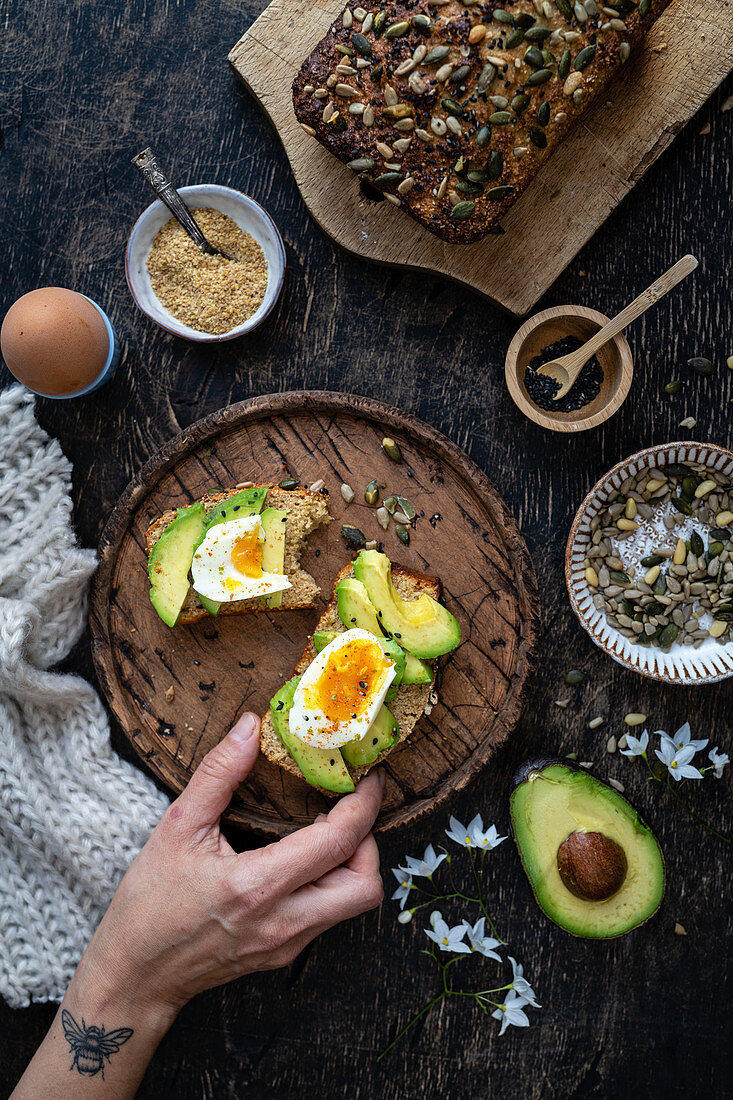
(310, 724)
(212, 565)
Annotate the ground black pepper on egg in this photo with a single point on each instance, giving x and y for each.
(541, 389)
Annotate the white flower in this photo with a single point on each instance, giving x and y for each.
(447, 939)
(718, 760)
(521, 985)
(635, 746)
(479, 941)
(511, 1012)
(473, 836)
(402, 892)
(677, 761)
(682, 740)
(424, 867)
(405, 916)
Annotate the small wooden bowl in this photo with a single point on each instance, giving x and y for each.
(555, 324)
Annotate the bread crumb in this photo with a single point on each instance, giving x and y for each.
(170, 694)
(679, 929)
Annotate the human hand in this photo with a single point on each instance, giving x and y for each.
(190, 913)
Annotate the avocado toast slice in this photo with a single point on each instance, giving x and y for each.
(303, 510)
(406, 704)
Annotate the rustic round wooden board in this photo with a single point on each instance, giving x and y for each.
(218, 668)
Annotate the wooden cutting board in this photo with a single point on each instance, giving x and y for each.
(686, 56)
(219, 667)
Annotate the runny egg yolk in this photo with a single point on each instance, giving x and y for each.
(348, 681)
(247, 554)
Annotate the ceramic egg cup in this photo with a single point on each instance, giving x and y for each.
(680, 664)
(248, 215)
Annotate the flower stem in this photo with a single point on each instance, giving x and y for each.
(413, 1021)
(691, 813)
(480, 899)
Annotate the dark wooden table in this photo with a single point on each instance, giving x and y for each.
(84, 86)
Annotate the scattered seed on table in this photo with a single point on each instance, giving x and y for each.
(611, 744)
(619, 786)
(634, 719)
(595, 723)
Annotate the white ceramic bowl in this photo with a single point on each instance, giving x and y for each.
(248, 214)
(681, 664)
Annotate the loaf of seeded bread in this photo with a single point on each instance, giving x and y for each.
(450, 107)
(407, 706)
(306, 511)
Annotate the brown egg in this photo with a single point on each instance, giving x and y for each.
(54, 341)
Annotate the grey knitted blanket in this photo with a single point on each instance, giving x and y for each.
(72, 814)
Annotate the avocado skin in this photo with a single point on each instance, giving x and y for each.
(356, 610)
(323, 768)
(540, 764)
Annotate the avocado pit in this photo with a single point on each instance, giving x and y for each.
(592, 866)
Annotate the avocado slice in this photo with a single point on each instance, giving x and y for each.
(246, 503)
(320, 767)
(274, 522)
(355, 609)
(423, 626)
(383, 734)
(595, 868)
(170, 560)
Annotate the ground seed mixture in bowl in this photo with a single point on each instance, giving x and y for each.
(208, 293)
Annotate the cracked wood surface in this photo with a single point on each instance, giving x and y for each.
(84, 87)
(683, 60)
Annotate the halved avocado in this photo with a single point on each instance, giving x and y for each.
(170, 561)
(248, 502)
(356, 609)
(320, 767)
(422, 626)
(595, 868)
(274, 524)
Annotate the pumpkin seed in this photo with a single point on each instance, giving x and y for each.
(421, 23)
(524, 19)
(380, 20)
(645, 6)
(361, 164)
(460, 74)
(676, 469)
(673, 387)
(390, 503)
(371, 493)
(514, 39)
(462, 210)
(539, 76)
(453, 108)
(483, 136)
(468, 187)
(361, 44)
(502, 16)
(520, 102)
(660, 585)
(537, 137)
(396, 30)
(353, 537)
(715, 549)
(436, 55)
(619, 577)
(534, 57)
(700, 366)
(697, 546)
(391, 449)
(575, 676)
(537, 34)
(403, 533)
(668, 635)
(543, 115)
(651, 560)
(486, 78)
(500, 118)
(288, 484)
(407, 508)
(386, 179)
(584, 58)
(563, 67)
(681, 505)
(337, 122)
(495, 165)
(496, 194)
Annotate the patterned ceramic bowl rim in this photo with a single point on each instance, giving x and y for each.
(681, 664)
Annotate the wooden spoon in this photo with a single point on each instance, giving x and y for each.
(566, 369)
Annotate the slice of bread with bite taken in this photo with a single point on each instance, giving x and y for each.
(409, 702)
(306, 510)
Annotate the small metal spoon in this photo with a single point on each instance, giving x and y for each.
(147, 163)
(566, 369)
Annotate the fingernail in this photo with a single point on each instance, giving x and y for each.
(245, 727)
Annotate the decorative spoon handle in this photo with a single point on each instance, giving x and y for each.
(147, 163)
(647, 298)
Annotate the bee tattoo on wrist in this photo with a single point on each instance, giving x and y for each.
(90, 1045)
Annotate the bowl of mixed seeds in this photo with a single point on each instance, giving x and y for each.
(201, 297)
(649, 563)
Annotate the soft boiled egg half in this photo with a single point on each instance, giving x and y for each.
(341, 691)
(228, 563)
